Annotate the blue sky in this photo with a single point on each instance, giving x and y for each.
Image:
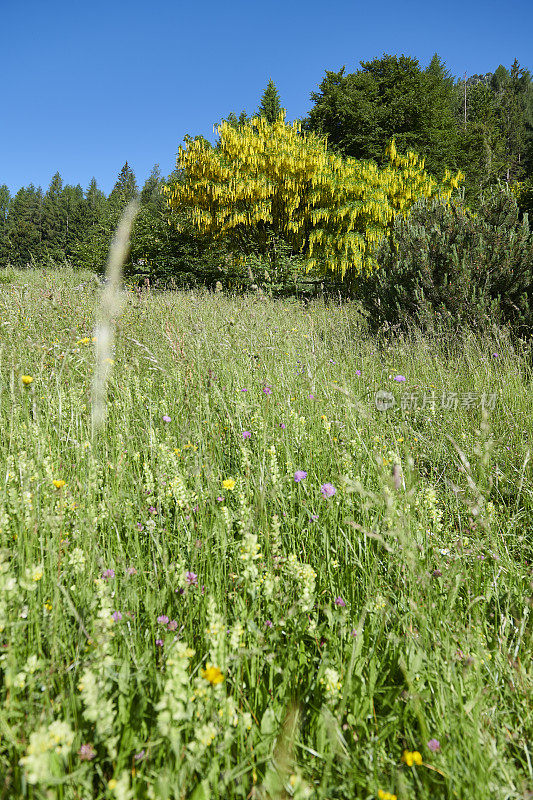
(87, 84)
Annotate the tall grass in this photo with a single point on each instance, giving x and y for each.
(184, 617)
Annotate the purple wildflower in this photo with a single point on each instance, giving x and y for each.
(152, 510)
(354, 632)
(311, 397)
(299, 475)
(282, 426)
(108, 573)
(220, 499)
(244, 390)
(358, 373)
(117, 616)
(267, 390)
(494, 355)
(191, 578)
(327, 489)
(172, 625)
(246, 435)
(166, 418)
(86, 752)
(434, 745)
(163, 619)
(268, 623)
(139, 756)
(399, 378)
(140, 526)
(131, 571)
(159, 643)
(340, 602)
(313, 518)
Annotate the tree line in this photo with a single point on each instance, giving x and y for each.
(481, 125)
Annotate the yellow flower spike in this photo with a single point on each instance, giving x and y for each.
(26, 380)
(59, 484)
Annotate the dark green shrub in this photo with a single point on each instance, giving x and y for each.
(445, 263)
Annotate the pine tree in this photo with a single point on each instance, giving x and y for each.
(25, 226)
(270, 107)
(5, 199)
(54, 221)
(124, 190)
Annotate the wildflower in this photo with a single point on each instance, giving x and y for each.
(313, 518)
(86, 752)
(246, 435)
(386, 795)
(108, 573)
(150, 524)
(229, 483)
(244, 390)
(340, 602)
(152, 510)
(112, 784)
(299, 475)
(399, 378)
(434, 745)
(37, 573)
(358, 373)
(268, 623)
(191, 578)
(26, 380)
(282, 426)
(163, 619)
(267, 390)
(494, 355)
(117, 616)
(166, 418)
(212, 674)
(140, 526)
(412, 758)
(172, 625)
(311, 397)
(159, 642)
(220, 499)
(131, 571)
(139, 756)
(58, 484)
(328, 490)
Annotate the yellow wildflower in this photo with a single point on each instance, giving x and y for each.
(212, 674)
(26, 380)
(58, 484)
(411, 758)
(229, 483)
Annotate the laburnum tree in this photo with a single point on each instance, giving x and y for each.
(270, 179)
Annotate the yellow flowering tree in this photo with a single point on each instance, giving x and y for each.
(266, 179)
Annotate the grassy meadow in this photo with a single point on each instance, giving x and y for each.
(249, 581)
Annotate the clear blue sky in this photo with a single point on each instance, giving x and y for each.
(89, 84)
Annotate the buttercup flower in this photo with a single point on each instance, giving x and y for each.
(59, 484)
(229, 483)
(212, 674)
(26, 380)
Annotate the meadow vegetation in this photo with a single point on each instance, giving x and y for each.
(249, 582)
